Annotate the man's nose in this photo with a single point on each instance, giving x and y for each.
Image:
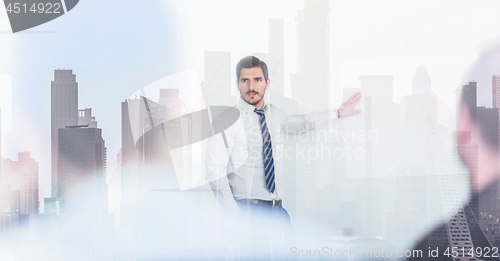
(251, 86)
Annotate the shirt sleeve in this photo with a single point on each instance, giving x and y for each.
(218, 164)
(298, 124)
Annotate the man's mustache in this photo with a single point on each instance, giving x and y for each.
(252, 92)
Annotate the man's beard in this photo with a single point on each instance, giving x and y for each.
(256, 102)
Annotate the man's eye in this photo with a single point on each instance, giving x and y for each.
(259, 80)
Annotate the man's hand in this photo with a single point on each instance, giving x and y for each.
(347, 108)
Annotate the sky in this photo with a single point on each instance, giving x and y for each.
(117, 47)
(382, 37)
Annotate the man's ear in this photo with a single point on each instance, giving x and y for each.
(267, 83)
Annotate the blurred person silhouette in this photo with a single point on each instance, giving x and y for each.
(468, 227)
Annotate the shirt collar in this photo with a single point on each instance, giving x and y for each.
(249, 108)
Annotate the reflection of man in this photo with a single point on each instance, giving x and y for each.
(462, 230)
(244, 164)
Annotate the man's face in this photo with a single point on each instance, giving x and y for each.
(253, 86)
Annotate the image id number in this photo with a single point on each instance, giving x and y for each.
(47, 8)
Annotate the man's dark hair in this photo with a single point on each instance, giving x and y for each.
(250, 62)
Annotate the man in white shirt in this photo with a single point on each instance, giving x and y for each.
(244, 162)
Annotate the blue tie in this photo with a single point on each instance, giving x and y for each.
(267, 151)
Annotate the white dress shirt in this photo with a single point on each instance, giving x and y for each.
(235, 167)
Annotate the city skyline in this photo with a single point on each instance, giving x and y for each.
(360, 76)
(84, 116)
(419, 68)
(111, 107)
(288, 14)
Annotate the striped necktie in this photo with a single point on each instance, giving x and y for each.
(267, 152)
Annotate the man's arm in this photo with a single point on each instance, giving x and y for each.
(298, 124)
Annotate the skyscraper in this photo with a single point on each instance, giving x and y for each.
(275, 58)
(313, 49)
(217, 85)
(495, 89)
(378, 87)
(140, 117)
(85, 118)
(64, 112)
(81, 167)
(417, 112)
(9, 216)
(467, 148)
(130, 159)
(311, 90)
(421, 83)
(487, 119)
(467, 151)
(458, 229)
(276, 55)
(469, 92)
(170, 99)
(381, 115)
(0, 145)
(22, 175)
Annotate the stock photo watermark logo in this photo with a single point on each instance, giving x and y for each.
(26, 14)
